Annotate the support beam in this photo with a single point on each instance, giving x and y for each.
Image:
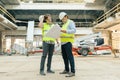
(54, 16)
(55, 6)
(4, 22)
(10, 2)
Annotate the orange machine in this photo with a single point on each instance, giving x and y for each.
(87, 51)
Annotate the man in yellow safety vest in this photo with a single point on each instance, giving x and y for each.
(48, 43)
(67, 38)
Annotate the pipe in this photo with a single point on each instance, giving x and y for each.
(7, 13)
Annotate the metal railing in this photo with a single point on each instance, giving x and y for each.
(109, 13)
(83, 24)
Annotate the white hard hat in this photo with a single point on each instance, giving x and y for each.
(61, 15)
(41, 17)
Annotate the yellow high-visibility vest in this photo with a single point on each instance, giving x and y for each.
(45, 28)
(65, 37)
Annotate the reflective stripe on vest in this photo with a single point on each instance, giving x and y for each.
(66, 37)
(44, 30)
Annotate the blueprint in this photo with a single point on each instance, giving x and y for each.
(54, 32)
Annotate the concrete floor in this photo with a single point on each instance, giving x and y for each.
(96, 67)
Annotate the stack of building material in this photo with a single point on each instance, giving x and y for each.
(116, 40)
(105, 35)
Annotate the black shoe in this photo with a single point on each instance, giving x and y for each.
(64, 72)
(71, 74)
(42, 73)
(50, 71)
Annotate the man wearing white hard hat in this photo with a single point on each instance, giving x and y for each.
(67, 38)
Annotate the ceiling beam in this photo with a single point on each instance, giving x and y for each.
(11, 2)
(55, 6)
(35, 16)
(6, 23)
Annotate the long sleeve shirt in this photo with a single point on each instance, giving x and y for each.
(71, 28)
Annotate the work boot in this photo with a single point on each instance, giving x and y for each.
(42, 73)
(64, 72)
(71, 74)
(50, 71)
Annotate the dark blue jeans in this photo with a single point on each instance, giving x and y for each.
(47, 50)
(68, 57)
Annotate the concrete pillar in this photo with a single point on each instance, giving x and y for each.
(12, 41)
(0, 41)
(3, 43)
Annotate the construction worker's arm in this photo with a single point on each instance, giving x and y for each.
(41, 18)
(71, 28)
(64, 31)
